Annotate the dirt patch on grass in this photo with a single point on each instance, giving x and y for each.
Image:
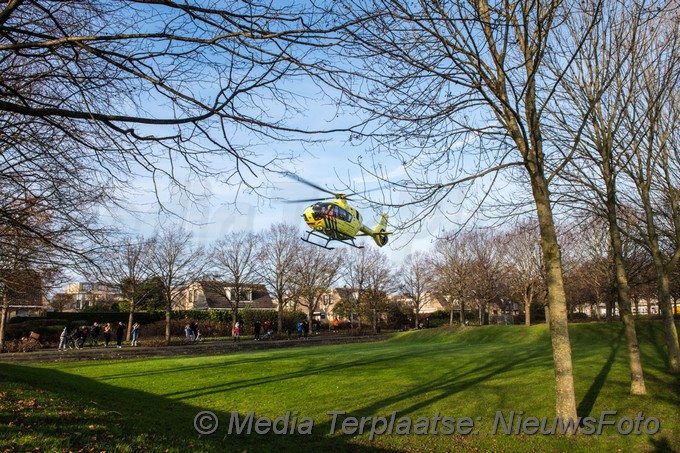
(207, 347)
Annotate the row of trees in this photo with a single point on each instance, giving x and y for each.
(467, 271)
(169, 261)
(574, 101)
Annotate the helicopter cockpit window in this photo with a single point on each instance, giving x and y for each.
(320, 210)
(342, 214)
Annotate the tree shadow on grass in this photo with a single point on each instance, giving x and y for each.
(651, 333)
(663, 445)
(51, 410)
(72, 412)
(456, 383)
(275, 371)
(588, 402)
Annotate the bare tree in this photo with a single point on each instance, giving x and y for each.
(368, 274)
(440, 80)
(278, 252)
(597, 93)
(192, 72)
(127, 267)
(651, 148)
(25, 259)
(453, 276)
(356, 268)
(415, 282)
(588, 265)
(175, 262)
(522, 257)
(316, 272)
(95, 93)
(62, 302)
(488, 286)
(234, 260)
(380, 283)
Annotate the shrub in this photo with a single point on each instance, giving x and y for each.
(204, 315)
(49, 330)
(22, 345)
(438, 318)
(208, 328)
(578, 317)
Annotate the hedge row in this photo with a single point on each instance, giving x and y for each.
(52, 324)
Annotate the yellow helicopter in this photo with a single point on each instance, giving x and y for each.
(335, 220)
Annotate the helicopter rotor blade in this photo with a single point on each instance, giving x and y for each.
(308, 200)
(309, 183)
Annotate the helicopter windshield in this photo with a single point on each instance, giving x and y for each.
(321, 210)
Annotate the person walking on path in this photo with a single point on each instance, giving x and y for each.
(237, 331)
(135, 333)
(194, 329)
(107, 334)
(63, 339)
(120, 331)
(257, 326)
(94, 334)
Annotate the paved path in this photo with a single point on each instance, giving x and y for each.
(178, 349)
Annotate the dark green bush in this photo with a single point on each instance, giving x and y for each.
(48, 333)
(578, 317)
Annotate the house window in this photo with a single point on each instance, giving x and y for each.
(246, 294)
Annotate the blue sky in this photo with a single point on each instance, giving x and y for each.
(218, 215)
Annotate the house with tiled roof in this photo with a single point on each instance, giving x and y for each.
(221, 295)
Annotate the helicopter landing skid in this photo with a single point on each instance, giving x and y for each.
(328, 240)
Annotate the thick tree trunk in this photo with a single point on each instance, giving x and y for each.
(168, 314)
(130, 320)
(527, 313)
(637, 380)
(279, 321)
(565, 399)
(462, 312)
(528, 299)
(670, 330)
(4, 312)
(663, 291)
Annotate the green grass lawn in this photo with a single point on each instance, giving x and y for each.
(466, 381)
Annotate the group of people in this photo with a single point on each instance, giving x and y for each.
(265, 330)
(192, 333)
(303, 328)
(77, 338)
(265, 327)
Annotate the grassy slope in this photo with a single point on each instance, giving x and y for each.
(150, 404)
